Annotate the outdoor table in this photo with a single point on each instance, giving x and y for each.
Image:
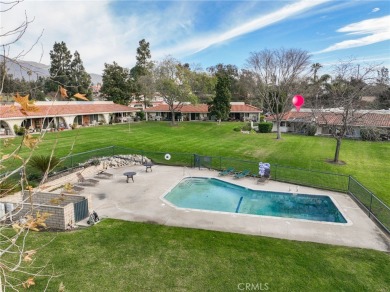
(148, 165)
(130, 174)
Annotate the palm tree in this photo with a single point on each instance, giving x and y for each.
(314, 68)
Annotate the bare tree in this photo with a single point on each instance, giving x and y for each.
(147, 87)
(343, 100)
(278, 74)
(16, 268)
(172, 81)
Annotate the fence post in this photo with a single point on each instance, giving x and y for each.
(369, 211)
(276, 171)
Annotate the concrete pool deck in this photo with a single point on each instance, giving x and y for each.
(142, 201)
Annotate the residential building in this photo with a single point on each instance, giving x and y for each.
(62, 115)
(329, 120)
(200, 112)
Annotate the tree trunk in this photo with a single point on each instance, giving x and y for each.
(337, 152)
(278, 133)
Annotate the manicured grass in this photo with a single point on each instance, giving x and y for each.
(369, 162)
(126, 256)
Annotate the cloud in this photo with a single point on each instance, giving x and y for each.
(375, 10)
(375, 29)
(203, 42)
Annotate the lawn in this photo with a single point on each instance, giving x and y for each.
(369, 162)
(128, 256)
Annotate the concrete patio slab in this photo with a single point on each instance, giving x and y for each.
(142, 200)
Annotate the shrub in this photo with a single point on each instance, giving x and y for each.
(141, 115)
(42, 162)
(237, 129)
(19, 130)
(265, 127)
(311, 129)
(262, 119)
(8, 187)
(370, 134)
(33, 177)
(246, 128)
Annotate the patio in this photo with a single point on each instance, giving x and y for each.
(142, 201)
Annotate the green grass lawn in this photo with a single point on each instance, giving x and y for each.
(369, 162)
(126, 256)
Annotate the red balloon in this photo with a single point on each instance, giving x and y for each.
(298, 101)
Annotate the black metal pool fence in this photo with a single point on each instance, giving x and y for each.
(374, 207)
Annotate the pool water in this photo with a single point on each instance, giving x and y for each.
(216, 195)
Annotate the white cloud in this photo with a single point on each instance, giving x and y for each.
(203, 42)
(375, 10)
(375, 29)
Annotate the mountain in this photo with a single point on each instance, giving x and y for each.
(20, 70)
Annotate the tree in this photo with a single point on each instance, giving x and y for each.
(16, 261)
(279, 72)
(116, 83)
(231, 72)
(344, 99)
(142, 67)
(202, 85)
(248, 89)
(220, 106)
(143, 57)
(314, 68)
(80, 80)
(172, 81)
(60, 67)
(147, 87)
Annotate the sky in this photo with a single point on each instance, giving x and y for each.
(201, 33)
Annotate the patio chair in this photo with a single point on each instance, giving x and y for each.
(86, 182)
(242, 174)
(104, 174)
(227, 171)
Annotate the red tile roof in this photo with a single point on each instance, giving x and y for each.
(7, 111)
(203, 108)
(370, 119)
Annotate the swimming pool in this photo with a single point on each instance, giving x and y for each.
(216, 195)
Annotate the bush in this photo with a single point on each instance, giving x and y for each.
(265, 127)
(237, 129)
(19, 130)
(141, 115)
(262, 119)
(42, 163)
(246, 128)
(370, 134)
(311, 130)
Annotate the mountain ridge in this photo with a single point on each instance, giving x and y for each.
(21, 69)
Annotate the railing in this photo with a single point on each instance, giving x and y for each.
(375, 208)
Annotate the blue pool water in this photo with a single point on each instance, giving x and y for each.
(216, 195)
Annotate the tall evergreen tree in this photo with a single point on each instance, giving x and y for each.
(60, 69)
(142, 68)
(143, 57)
(220, 106)
(80, 79)
(116, 83)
